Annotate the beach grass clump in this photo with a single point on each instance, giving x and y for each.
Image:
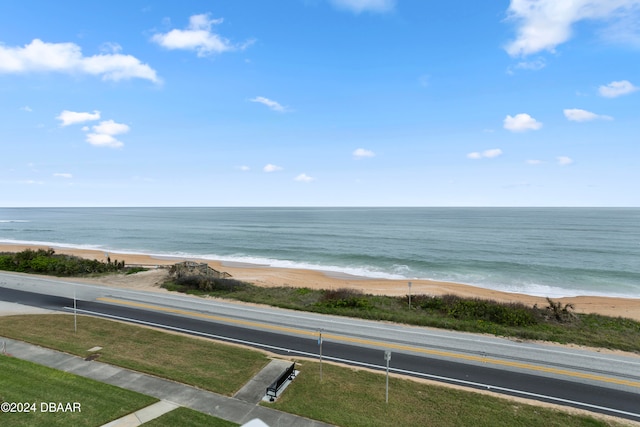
(46, 261)
(509, 314)
(206, 284)
(345, 298)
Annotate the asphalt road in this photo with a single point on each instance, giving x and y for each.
(596, 381)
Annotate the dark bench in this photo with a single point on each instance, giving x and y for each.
(274, 388)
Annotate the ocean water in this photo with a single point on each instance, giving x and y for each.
(538, 251)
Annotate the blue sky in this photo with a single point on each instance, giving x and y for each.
(320, 103)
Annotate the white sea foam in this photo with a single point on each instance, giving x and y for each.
(367, 272)
(50, 244)
(541, 290)
(13, 220)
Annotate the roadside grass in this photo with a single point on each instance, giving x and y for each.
(26, 382)
(223, 369)
(188, 417)
(555, 323)
(349, 397)
(346, 396)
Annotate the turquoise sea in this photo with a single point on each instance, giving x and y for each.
(538, 251)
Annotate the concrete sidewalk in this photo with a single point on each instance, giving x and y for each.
(143, 415)
(227, 408)
(254, 390)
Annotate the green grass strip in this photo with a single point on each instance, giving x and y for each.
(223, 369)
(188, 417)
(35, 387)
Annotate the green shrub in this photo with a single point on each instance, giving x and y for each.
(510, 314)
(209, 284)
(344, 298)
(46, 261)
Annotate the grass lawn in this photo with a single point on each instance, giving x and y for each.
(220, 368)
(22, 381)
(188, 417)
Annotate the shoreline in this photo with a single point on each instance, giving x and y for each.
(268, 276)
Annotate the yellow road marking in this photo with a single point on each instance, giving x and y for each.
(381, 344)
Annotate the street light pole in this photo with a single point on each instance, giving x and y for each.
(409, 295)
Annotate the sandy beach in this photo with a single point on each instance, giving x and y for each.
(272, 277)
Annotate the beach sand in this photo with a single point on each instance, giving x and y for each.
(271, 277)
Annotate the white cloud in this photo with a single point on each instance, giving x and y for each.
(534, 162)
(272, 168)
(521, 123)
(198, 37)
(103, 140)
(275, 106)
(109, 47)
(109, 127)
(359, 6)
(545, 24)
(103, 134)
(72, 117)
(564, 160)
(615, 89)
(63, 175)
(578, 115)
(362, 153)
(244, 168)
(39, 56)
(535, 65)
(26, 108)
(303, 177)
(486, 154)
(495, 152)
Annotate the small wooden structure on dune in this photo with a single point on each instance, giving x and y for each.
(192, 268)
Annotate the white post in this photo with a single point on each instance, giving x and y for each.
(387, 357)
(320, 344)
(75, 314)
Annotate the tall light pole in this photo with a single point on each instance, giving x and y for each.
(409, 295)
